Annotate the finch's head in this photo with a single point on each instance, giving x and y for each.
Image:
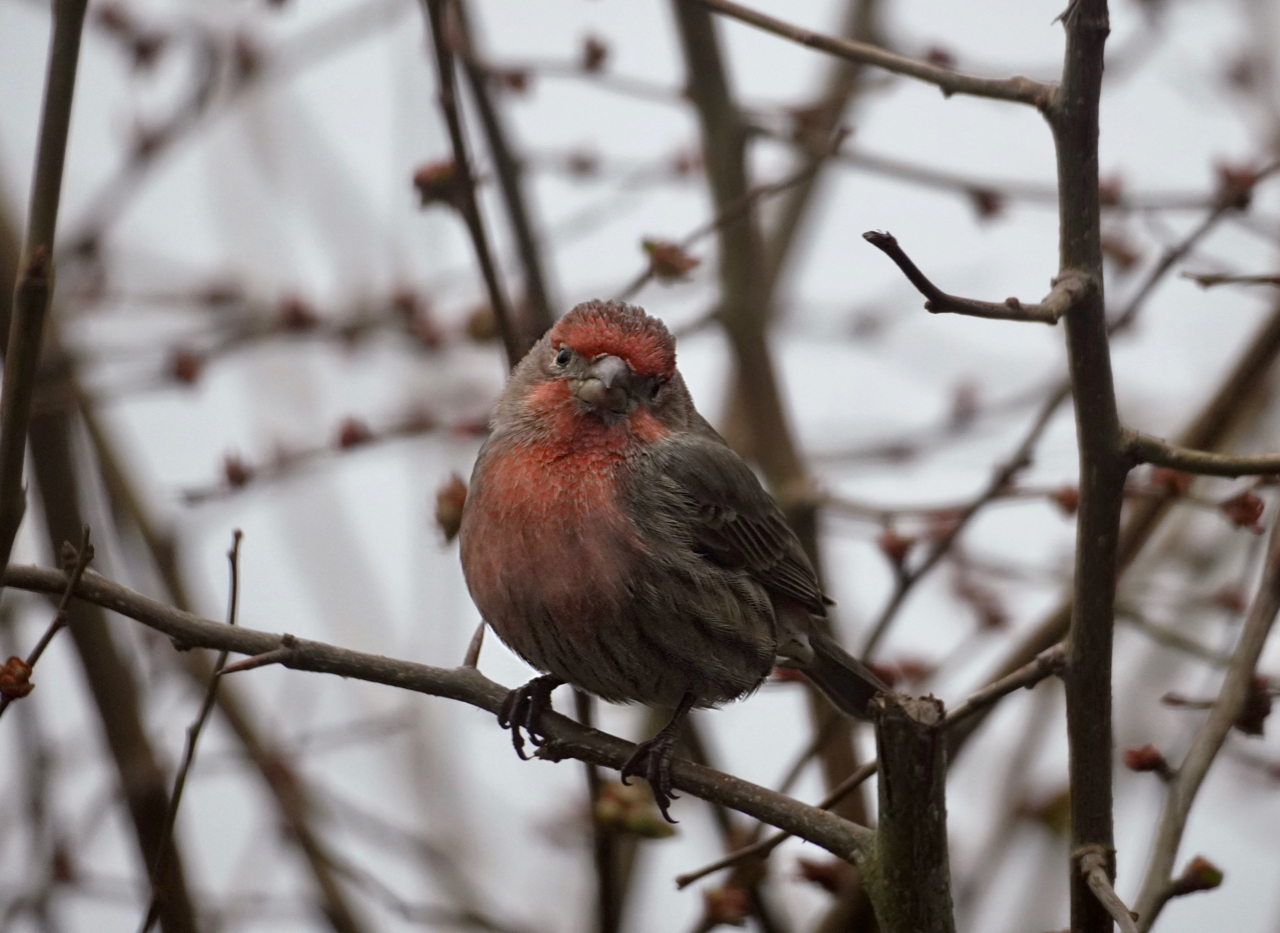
(603, 359)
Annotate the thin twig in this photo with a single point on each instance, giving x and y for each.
(473, 649)
(508, 169)
(998, 484)
(1093, 865)
(75, 570)
(193, 736)
(465, 186)
(732, 211)
(1067, 289)
(1017, 89)
(1157, 885)
(1144, 448)
(35, 269)
(1209, 280)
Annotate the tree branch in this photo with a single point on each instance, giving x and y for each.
(1103, 465)
(508, 169)
(35, 269)
(1157, 886)
(1144, 448)
(569, 739)
(465, 184)
(1047, 663)
(910, 880)
(1017, 89)
(1093, 866)
(1068, 288)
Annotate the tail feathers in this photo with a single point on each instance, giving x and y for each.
(843, 678)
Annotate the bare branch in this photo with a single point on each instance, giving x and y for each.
(75, 569)
(508, 169)
(1017, 89)
(1046, 664)
(1157, 886)
(1211, 279)
(1068, 287)
(1144, 448)
(1103, 465)
(568, 739)
(1093, 865)
(35, 270)
(193, 737)
(465, 187)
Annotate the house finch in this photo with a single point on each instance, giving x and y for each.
(614, 541)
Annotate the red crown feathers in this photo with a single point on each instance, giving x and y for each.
(595, 328)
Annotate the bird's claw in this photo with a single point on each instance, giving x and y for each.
(652, 761)
(523, 709)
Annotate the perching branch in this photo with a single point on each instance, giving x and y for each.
(35, 270)
(1017, 89)
(1068, 287)
(569, 740)
(1144, 448)
(1157, 886)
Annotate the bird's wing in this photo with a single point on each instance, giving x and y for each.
(730, 518)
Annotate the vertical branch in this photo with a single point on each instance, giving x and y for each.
(605, 842)
(910, 875)
(193, 738)
(1074, 119)
(35, 270)
(509, 171)
(465, 185)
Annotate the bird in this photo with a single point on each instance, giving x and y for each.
(614, 541)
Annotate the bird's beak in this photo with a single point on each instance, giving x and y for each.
(608, 385)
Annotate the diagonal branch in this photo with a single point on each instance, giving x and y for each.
(1068, 288)
(1093, 866)
(1144, 448)
(569, 739)
(1157, 887)
(1017, 89)
(465, 185)
(508, 168)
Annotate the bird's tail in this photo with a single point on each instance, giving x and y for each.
(845, 680)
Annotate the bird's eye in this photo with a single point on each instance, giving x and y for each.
(655, 387)
(564, 356)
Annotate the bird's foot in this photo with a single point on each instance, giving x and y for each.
(523, 709)
(652, 761)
